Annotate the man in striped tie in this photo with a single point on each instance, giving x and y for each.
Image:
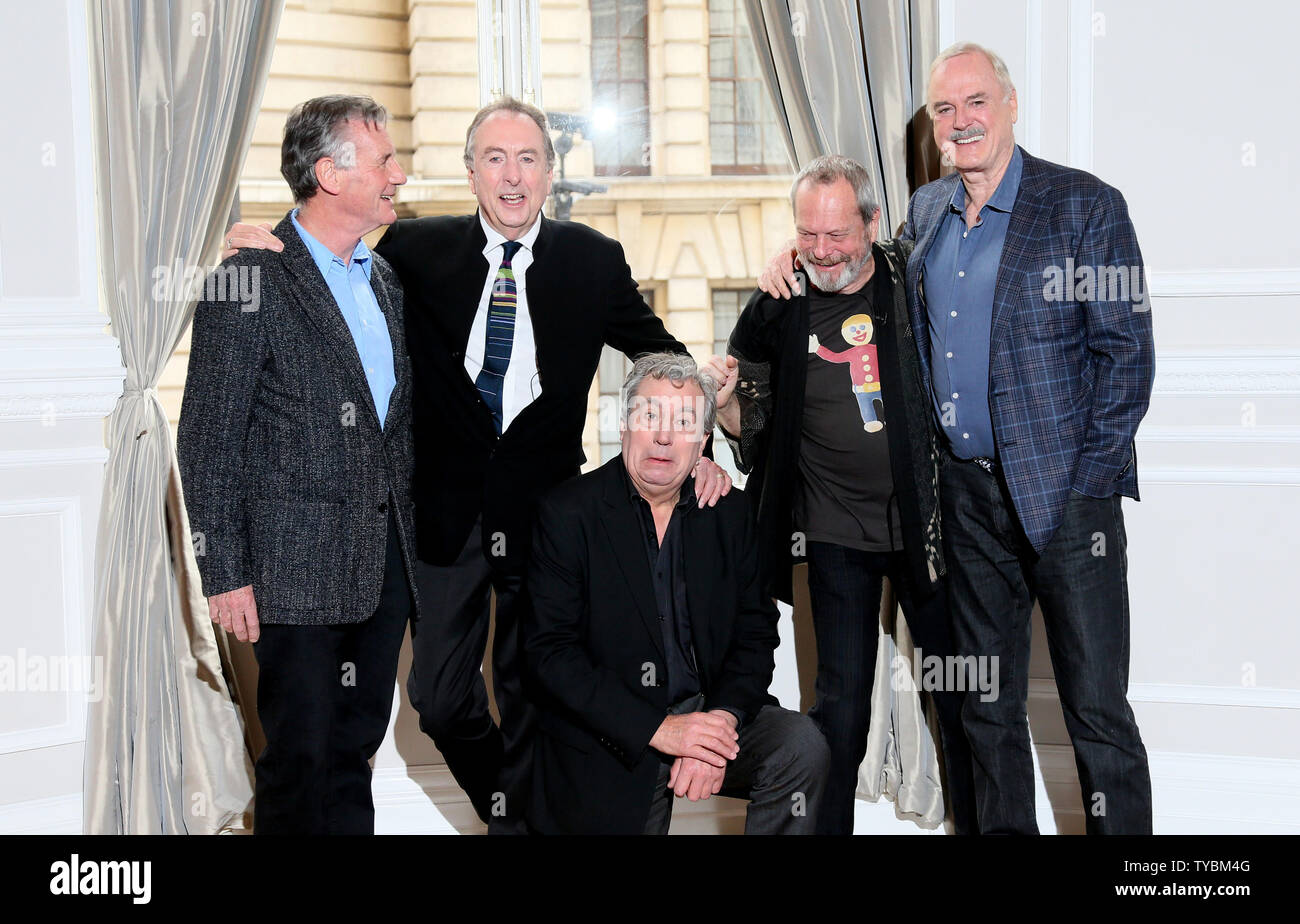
(500, 333)
(506, 315)
(510, 312)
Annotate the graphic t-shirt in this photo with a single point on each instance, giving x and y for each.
(844, 478)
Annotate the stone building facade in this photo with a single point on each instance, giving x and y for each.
(696, 212)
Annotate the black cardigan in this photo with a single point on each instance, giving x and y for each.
(771, 343)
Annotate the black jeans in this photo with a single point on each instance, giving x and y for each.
(324, 695)
(1081, 583)
(492, 764)
(844, 587)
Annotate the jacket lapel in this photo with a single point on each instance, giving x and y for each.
(1027, 217)
(933, 214)
(460, 300)
(317, 302)
(537, 285)
(623, 528)
(397, 336)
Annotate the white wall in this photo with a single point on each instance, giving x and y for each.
(1177, 105)
(60, 375)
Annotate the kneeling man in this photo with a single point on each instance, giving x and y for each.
(650, 640)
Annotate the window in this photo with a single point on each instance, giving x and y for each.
(727, 305)
(743, 132)
(620, 91)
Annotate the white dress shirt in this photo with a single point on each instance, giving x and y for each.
(522, 385)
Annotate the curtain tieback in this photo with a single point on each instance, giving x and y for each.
(145, 394)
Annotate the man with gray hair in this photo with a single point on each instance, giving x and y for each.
(1027, 293)
(508, 311)
(296, 454)
(822, 403)
(650, 639)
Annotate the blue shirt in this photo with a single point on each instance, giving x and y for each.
(350, 286)
(961, 272)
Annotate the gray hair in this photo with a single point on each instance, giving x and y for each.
(509, 104)
(678, 368)
(828, 169)
(967, 48)
(315, 129)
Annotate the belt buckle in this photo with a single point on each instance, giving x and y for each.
(985, 463)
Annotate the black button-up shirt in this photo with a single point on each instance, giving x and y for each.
(668, 574)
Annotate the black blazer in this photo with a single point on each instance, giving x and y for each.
(594, 654)
(288, 477)
(581, 295)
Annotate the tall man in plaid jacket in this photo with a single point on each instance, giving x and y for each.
(1028, 303)
(1027, 296)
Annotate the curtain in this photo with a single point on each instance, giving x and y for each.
(176, 86)
(902, 759)
(848, 77)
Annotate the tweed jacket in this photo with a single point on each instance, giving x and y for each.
(1070, 373)
(770, 342)
(288, 476)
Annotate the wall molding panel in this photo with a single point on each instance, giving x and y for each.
(67, 513)
(56, 815)
(1225, 283)
(1228, 372)
(61, 374)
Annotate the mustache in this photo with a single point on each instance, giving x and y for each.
(974, 131)
(806, 257)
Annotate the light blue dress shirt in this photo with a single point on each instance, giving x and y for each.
(961, 273)
(350, 286)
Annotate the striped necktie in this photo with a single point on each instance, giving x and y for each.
(500, 335)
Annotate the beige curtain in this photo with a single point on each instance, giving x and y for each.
(848, 77)
(176, 86)
(902, 761)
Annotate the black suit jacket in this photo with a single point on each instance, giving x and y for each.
(288, 477)
(594, 651)
(581, 295)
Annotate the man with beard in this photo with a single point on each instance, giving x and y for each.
(822, 402)
(1038, 388)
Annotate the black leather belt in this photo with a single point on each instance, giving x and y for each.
(989, 465)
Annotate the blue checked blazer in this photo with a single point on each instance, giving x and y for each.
(1069, 376)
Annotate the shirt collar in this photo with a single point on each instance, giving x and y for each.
(496, 239)
(326, 258)
(1004, 197)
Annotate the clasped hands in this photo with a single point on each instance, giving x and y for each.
(702, 742)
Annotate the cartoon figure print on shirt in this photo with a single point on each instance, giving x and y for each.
(864, 372)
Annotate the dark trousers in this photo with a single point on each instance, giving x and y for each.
(781, 770)
(1080, 581)
(324, 695)
(844, 589)
(447, 689)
